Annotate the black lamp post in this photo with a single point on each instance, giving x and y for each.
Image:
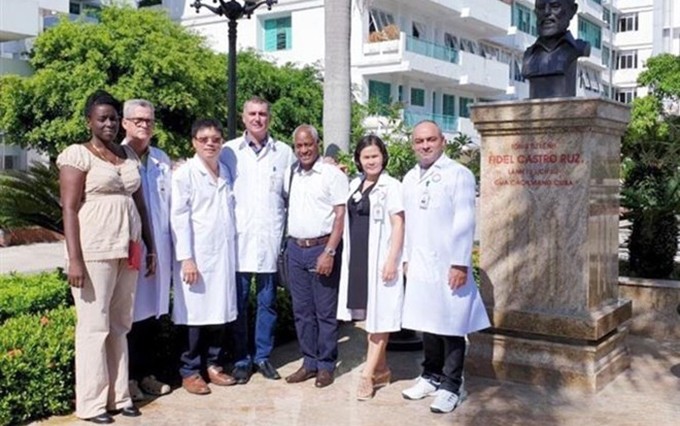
(233, 10)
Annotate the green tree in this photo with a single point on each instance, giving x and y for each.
(651, 178)
(142, 54)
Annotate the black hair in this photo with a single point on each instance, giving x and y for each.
(100, 97)
(366, 141)
(206, 123)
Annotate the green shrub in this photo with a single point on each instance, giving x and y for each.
(28, 294)
(37, 365)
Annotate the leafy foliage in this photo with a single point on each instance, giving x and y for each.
(143, 54)
(31, 197)
(30, 294)
(36, 365)
(651, 186)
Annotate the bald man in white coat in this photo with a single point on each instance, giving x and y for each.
(441, 298)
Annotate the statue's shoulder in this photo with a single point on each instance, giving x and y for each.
(582, 47)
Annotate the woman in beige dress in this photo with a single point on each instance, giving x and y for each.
(104, 219)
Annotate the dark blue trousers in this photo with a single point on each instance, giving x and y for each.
(203, 348)
(265, 320)
(315, 302)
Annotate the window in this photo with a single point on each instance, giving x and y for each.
(626, 95)
(11, 162)
(74, 8)
(417, 97)
(434, 102)
(277, 34)
(606, 57)
(378, 20)
(589, 80)
(449, 105)
(380, 92)
(465, 106)
(451, 41)
(590, 32)
(605, 91)
(524, 19)
(400, 96)
(626, 59)
(628, 22)
(418, 30)
(607, 17)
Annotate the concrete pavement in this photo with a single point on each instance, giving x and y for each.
(32, 257)
(646, 394)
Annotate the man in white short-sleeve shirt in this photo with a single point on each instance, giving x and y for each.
(317, 197)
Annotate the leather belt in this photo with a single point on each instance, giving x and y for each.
(312, 242)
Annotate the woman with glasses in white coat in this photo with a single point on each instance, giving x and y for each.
(371, 283)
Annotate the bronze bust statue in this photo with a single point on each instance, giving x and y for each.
(550, 63)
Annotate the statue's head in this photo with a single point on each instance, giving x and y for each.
(553, 16)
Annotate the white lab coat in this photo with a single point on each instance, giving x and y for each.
(383, 311)
(202, 222)
(440, 220)
(259, 201)
(152, 297)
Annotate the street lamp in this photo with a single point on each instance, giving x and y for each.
(233, 11)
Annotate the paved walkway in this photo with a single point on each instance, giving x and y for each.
(32, 257)
(646, 394)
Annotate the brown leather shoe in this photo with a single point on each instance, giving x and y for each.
(323, 378)
(301, 375)
(218, 377)
(195, 384)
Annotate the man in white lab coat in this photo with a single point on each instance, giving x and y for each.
(441, 298)
(259, 163)
(153, 292)
(202, 221)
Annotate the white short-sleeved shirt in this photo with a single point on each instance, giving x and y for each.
(313, 195)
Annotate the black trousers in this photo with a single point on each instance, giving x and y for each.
(142, 348)
(444, 358)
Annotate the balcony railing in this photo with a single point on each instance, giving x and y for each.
(448, 123)
(432, 50)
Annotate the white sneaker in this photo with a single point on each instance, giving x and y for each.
(135, 393)
(152, 386)
(423, 387)
(445, 401)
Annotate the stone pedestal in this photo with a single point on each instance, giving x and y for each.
(549, 242)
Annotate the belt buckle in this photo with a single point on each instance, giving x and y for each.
(307, 243)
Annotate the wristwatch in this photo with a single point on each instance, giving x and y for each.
(329, 251)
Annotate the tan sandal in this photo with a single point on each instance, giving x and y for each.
(365, 389)
(382, 379)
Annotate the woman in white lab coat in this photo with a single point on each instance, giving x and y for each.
(371, 283)
(202, 223)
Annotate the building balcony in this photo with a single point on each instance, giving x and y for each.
(489, 16)
(20, 19)
(592, 9)
(448, 123)
(436, 63)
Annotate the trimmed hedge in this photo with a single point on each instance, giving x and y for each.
(37, 365)
(28, 294)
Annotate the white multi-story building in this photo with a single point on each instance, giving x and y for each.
(20, 22)
(644, 28)
(436, 57)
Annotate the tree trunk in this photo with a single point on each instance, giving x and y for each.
(337, 102)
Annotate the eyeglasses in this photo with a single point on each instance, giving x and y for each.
(148, 122)
(205, 140)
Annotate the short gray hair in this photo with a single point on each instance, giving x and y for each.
(258, 100)
(308, 128)
(131, 104)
